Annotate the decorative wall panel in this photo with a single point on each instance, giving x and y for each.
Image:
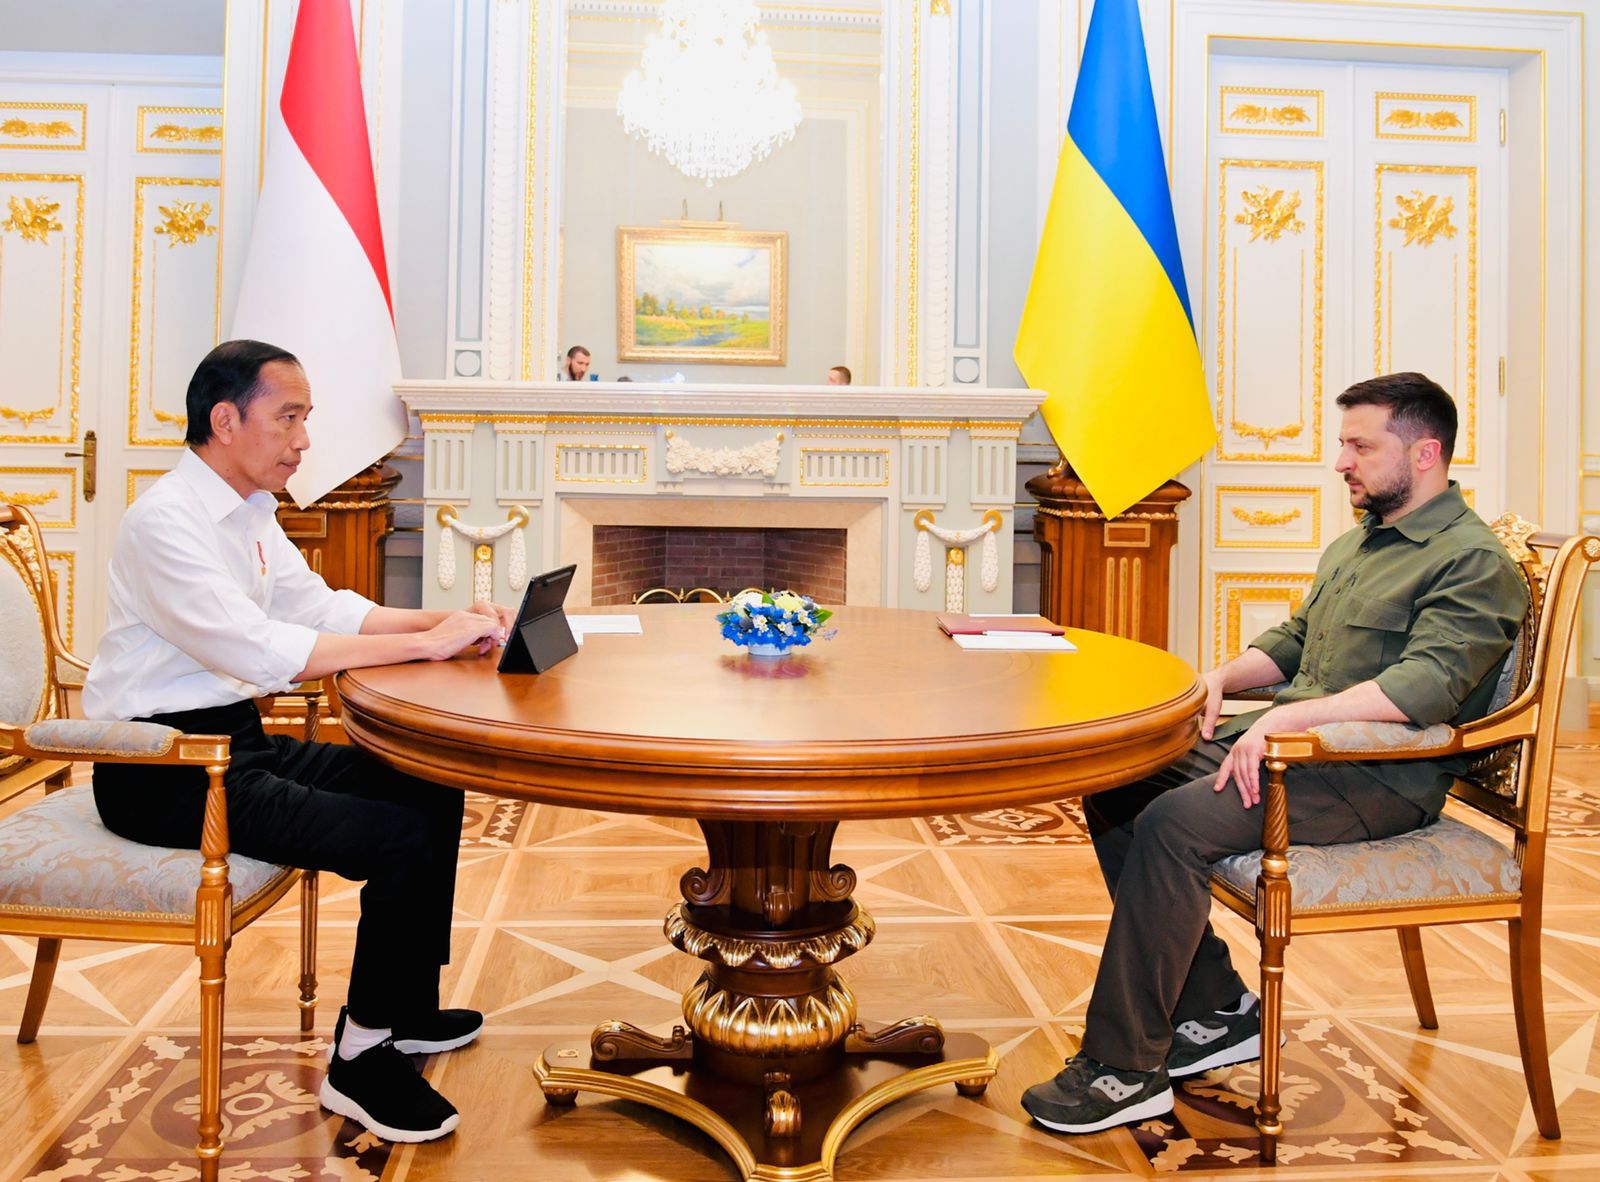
(1250, 602)
(517, 463)
(140, 479)
(1268, 517)
(1269, 309)
(994, 471)
(844, 467)
(64, 586)
(50, 494)
(1426, 281)
(922, 471)
(177, 278)
(601, 463)
(41, 292)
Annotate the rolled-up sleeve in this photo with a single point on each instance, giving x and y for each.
(1461, 631)
(300, 594)
(183, 595)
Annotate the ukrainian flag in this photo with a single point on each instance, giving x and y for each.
(1107, 331)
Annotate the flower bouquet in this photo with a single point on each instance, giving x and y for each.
(770, 623)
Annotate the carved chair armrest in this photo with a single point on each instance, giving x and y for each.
(141, 743)
(70, 670)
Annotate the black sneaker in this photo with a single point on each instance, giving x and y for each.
(442, 1030)
(381, 1090)
(1087, 1096)
(1226, 1038)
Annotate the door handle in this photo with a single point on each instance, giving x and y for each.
(88, 455)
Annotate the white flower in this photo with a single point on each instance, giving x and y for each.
(788, 601)
(760, 623)
(785, 627)
(745, 600)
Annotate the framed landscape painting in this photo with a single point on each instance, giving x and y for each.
(705, 294)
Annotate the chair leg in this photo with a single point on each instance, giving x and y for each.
(1527, 1002)
(308, 951)
(1269, 1106)
(1417, 976)
(44, 973)
(213, 977)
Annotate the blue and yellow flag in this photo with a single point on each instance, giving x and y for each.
(1107, 331)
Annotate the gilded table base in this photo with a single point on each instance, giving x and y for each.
(738, 1117)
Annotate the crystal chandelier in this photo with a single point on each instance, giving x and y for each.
(707, 95)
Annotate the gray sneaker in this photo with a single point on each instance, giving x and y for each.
(1087, 1096)
(1225, 1038)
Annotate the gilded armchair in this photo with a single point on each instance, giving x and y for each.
(1445, 872)
(63, 875)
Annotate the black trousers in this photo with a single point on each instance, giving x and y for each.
(319, 807)
(1156, 841)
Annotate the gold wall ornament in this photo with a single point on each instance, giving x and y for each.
(1425, 120)
(1424, 217)
(1290, 115)
(1266, 516)
(33, 217)
(29, 499)
(21, 129)
(172, 133)
(26, 417)
(185, 222)
(1270, 213)
(939, 8)
(1267, 435)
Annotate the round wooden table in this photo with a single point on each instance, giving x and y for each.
(890, 718)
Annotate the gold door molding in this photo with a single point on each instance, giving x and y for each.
(1238, 592)
(190, 131)
(41, 275)
(51, 494)
(50, 127)
(139, 479)
(1271, 230)
(1270, 110)
(1452, 118)
(175, 251)
(1267, 517)
(1425, 234)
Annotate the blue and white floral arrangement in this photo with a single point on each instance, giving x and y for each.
(770, 623)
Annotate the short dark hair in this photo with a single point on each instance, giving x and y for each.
(1418, 407)
(844, 369)
(229, 373)
(575, 350)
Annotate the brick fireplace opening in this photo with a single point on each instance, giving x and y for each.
(631, 559)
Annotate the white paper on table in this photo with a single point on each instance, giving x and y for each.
(615, 625)
(1017, 642)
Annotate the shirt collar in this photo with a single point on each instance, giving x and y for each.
(216, 494)
(1427, 519)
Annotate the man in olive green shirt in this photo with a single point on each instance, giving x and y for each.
(1410, 618)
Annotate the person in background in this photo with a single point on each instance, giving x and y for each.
(576, 368)
(839, 375)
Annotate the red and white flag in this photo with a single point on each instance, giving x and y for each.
(315, 280)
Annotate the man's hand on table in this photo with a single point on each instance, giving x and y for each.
(458, 630)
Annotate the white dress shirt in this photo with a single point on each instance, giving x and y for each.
(209, 601)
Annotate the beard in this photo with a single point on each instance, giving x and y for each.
(1382, 500)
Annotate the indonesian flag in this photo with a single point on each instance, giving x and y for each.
(315, 281)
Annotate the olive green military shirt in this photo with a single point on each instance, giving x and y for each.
(1427, 606)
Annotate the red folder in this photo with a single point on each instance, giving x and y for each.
(957, 625)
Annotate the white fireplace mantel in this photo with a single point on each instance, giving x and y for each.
(910, 474)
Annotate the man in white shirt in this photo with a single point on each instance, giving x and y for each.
(211, 606)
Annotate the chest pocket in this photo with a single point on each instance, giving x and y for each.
(1373, 637)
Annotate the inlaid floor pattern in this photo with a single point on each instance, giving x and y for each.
(991, 922)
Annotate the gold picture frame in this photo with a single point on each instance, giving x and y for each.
(732, 283)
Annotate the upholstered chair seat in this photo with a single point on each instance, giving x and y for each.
(56, 855)
(1439, 863)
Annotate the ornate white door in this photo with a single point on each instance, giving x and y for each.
(1357, 226)
(108, 282)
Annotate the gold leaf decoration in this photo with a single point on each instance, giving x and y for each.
(29, 499)
(1270, 213)
(166, 416)
(1266, 517)
(33, 217)
(186, 221)
(1267, 435)
(1258, 113)
(1424, 217)
(172, 133)
(26, 417)
(1430, 120)
(21, 129)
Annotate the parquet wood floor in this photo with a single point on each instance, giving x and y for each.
(991, 922)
